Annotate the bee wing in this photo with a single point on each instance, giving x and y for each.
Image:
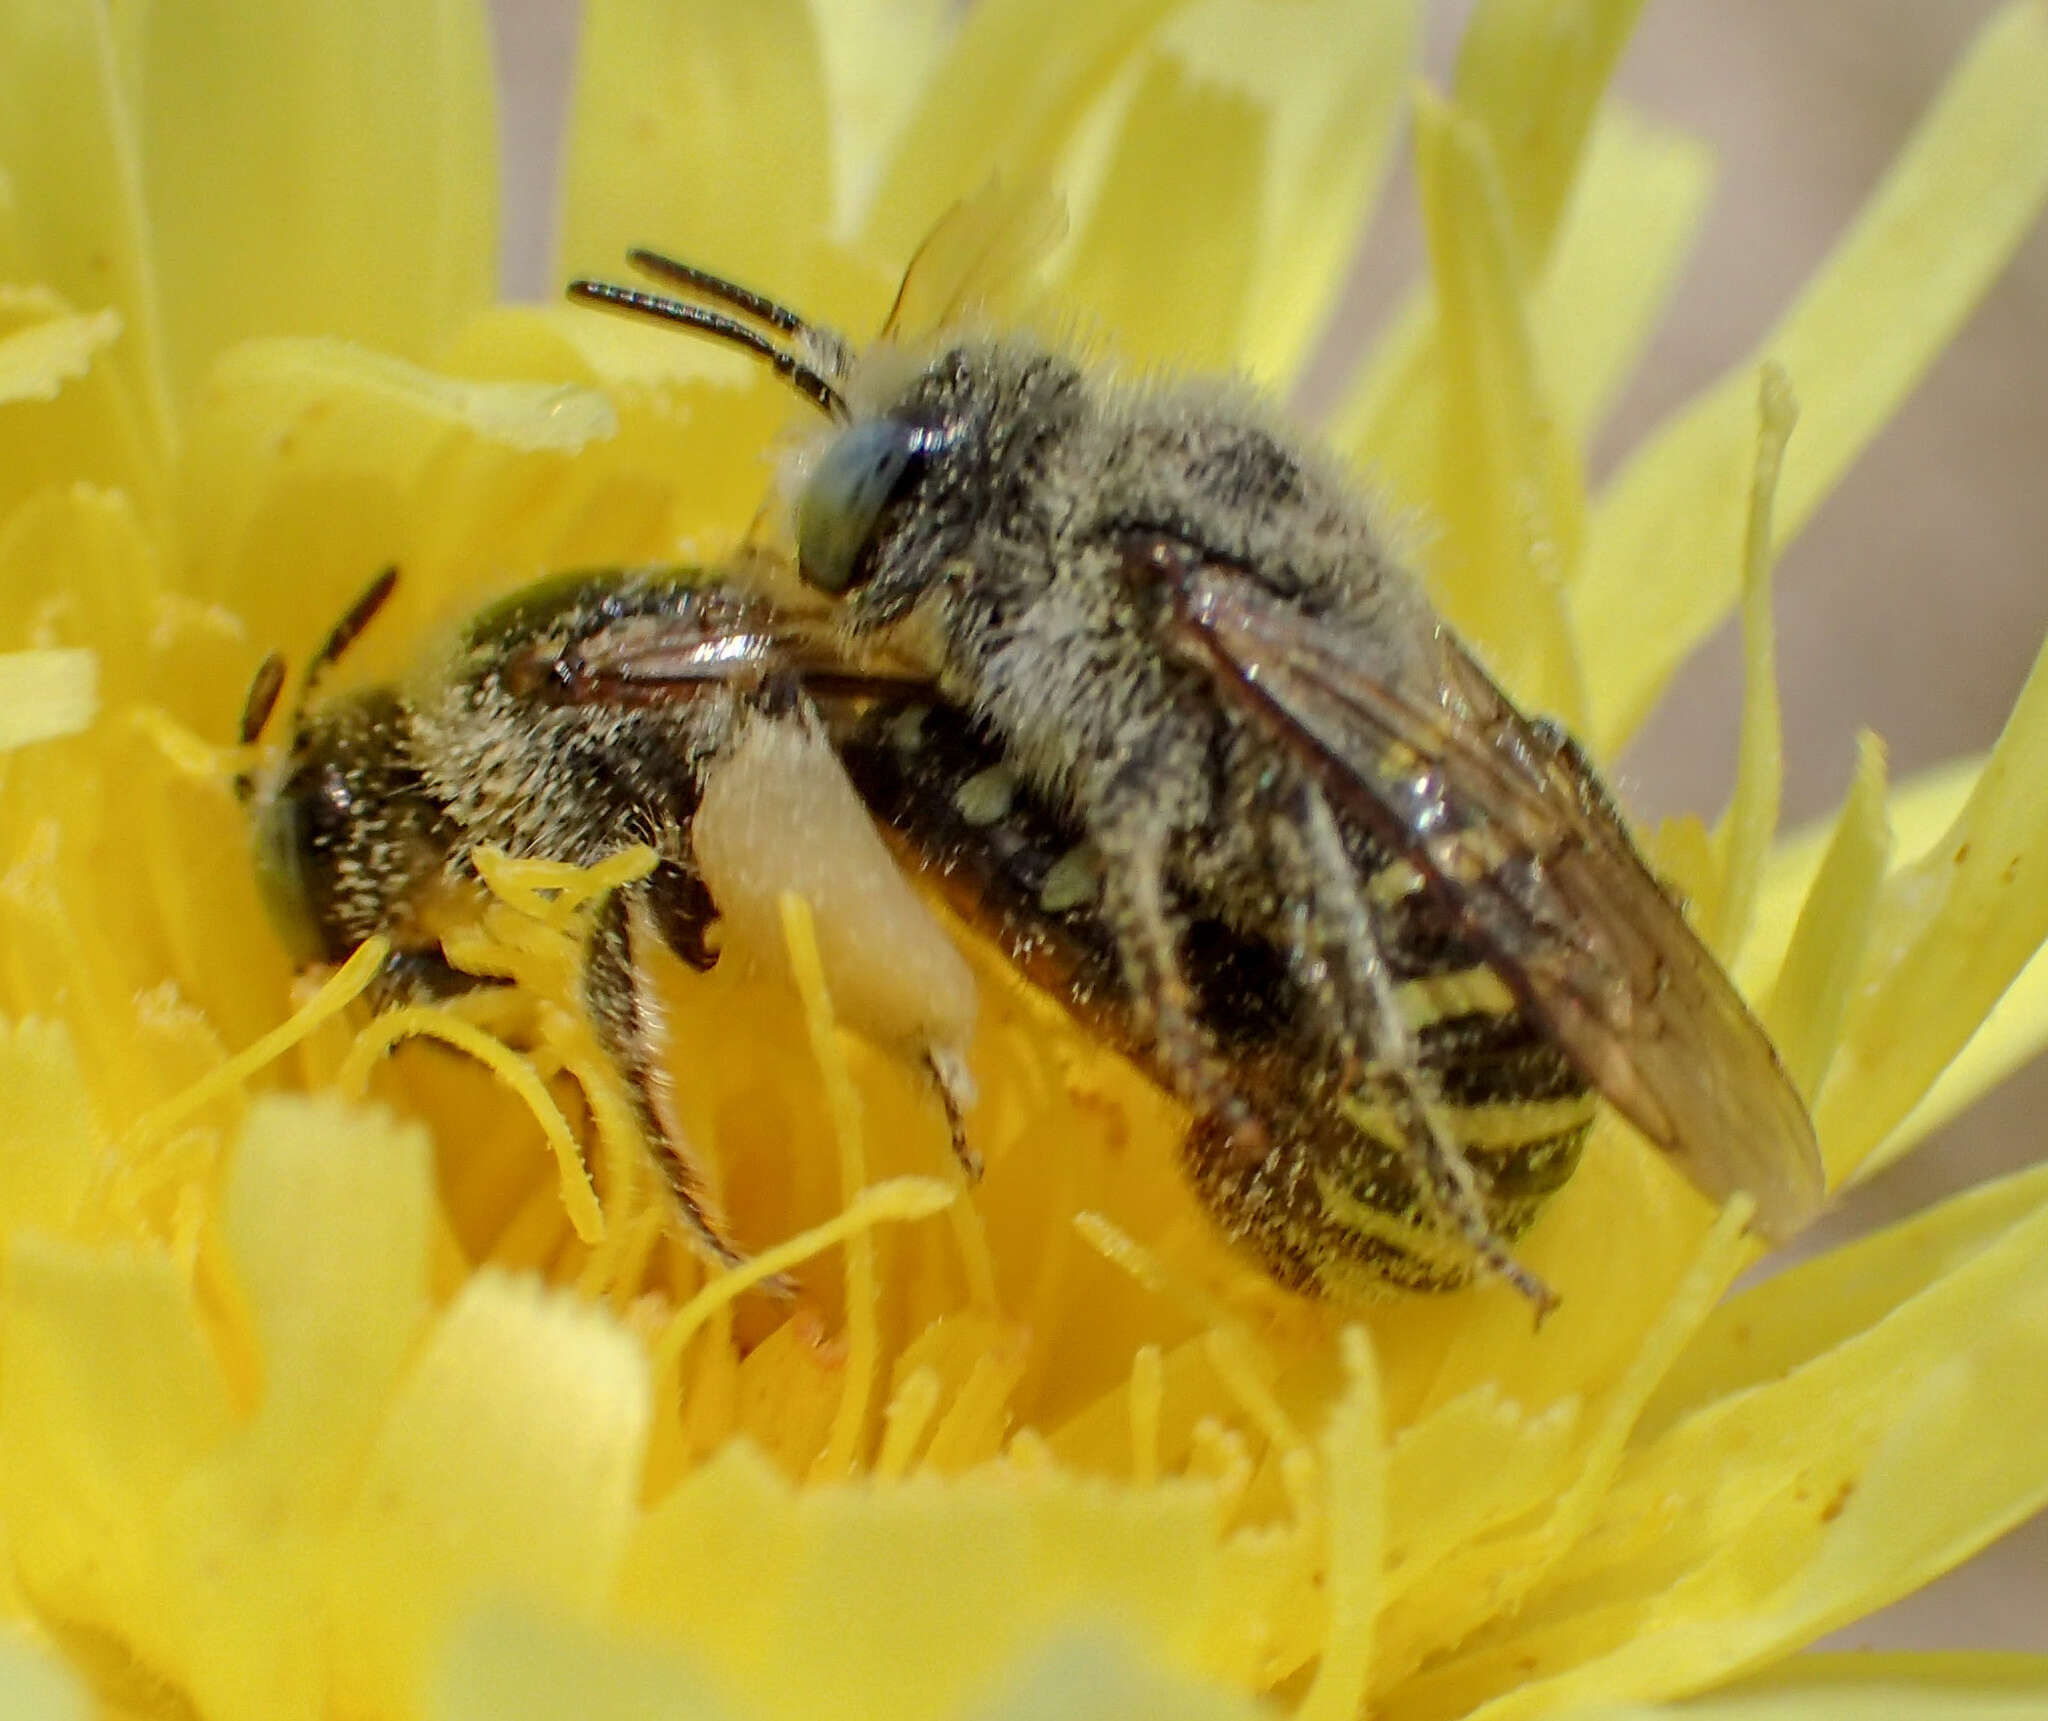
(981, 254)
(719, 639)
(1512, 829)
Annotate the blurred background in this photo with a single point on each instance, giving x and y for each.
(1914, 602)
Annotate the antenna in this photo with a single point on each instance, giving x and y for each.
(260, 703)
(815, 377)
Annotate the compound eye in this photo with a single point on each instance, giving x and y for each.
(869, 466)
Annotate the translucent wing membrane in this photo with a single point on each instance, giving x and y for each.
(1502, 818)
(720, 638)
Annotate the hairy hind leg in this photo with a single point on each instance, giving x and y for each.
(1134, 897)
(1339, 948)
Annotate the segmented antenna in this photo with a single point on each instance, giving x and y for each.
(812, 372)
(347, 631)
(262, 697)
(260, 703)
(718, 290)
(257, 705)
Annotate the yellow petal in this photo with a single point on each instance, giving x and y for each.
(1954, 930)
(1466, 1584)
(682, 475)
(39, 358)
(1335, 81)
(701, 129)
(1169, 275)
(508, 1663)
(1626, 233)
(313, 464)
(2012, 1035)
(112, 1396)
(1772, 1515)
(36, 1686)
(53, 1140)
(508, 1462)
(1658, 575)
(1637, 207)
(337, 1306)
(1355, 1465)
(1530, 76)
(100, 829)
(44, 694)
(316, 170)
(69, 147)
(1100, 1678)
(1788, 1320)
(1917, 812)
(1743, 837)
(998, 65)
(958, 1576)
(1499, 481)
(1866, 1687)
(1823, 963)
(67, 413)
(78, 572)
(878, 56)
(1285, 117)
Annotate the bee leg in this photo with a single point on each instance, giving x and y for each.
(625, 1011)
(955, 1087)
(1134, 898)
(685, 917)
(423, 976)
(1438, 1162)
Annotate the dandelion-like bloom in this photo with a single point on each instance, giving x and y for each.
(305, 1409)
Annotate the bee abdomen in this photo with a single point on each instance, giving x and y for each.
(1334, 1207)
(1331, 1204)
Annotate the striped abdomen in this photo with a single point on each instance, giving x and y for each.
(1329, 1202)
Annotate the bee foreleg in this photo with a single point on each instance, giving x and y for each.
(1346, 925)
(631, 1026)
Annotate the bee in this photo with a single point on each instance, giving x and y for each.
(571, 721)
(1384, 934)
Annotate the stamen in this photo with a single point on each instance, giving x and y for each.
(897, 1198)
(904, 1421)
(342, 988)
(1148, 1393)
(863, 1318)
(427, 1021)
(1354, 1462)
(554, 890)
(1230, 1349)
(972, 1429)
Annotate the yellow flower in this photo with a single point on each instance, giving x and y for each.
(305, 1409)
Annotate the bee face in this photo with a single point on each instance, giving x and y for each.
(1180, 630)
(346, 836)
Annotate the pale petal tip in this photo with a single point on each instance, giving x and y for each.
(46, 694)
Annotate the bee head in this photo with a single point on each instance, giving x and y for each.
(867, 472)
(335, 834)
(342, 827)
(903, 500)
(886, 498)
